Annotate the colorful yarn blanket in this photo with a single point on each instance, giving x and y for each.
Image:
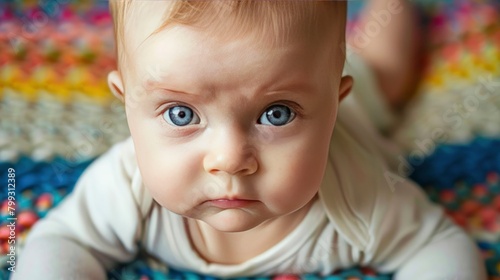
(57, 116)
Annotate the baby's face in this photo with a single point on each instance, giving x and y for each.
(230, 133)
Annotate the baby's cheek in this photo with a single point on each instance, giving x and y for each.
(305, 176)
(173, 179)
(294, 179)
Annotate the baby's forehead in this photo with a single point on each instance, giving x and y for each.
(268, 22)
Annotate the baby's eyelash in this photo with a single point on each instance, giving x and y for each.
(297, 109)
(164, 107)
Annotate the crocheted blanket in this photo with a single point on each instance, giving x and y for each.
(57, 116)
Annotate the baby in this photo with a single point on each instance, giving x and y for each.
(234, 167)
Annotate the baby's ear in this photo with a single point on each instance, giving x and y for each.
(115, 84)
(345, 87)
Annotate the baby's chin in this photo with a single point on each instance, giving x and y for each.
(233, 220)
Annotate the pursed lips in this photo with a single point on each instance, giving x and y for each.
(227, 203)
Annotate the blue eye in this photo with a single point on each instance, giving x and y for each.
(180, 116)
(277, 115)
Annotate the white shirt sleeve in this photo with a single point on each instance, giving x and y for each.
(98, 222)
(412, 236)
(389, 221)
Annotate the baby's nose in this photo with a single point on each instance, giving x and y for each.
(229, 152)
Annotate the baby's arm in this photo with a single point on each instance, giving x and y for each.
(93, 228)
(414, 237)
(449, 255)
(53, 257)
(389, 221)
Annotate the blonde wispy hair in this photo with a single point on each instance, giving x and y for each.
(274, 22)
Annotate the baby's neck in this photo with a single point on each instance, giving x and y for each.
(234, 248)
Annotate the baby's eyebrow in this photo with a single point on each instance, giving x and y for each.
(153, 84)
(291, 86)
(294, 87)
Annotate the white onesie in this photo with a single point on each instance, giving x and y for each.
(365, 215)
